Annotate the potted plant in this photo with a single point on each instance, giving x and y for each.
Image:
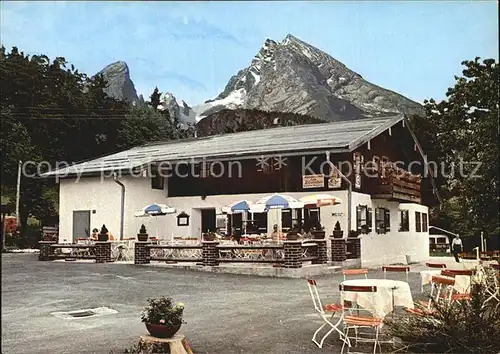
(337, 232)
(293, 234)
(142, 235)
(319, 232)
(353, 234)
(103, 235)
(162, 318)
(209, 236)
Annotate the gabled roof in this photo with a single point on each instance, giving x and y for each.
(343, 136)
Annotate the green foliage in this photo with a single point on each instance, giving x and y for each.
(464, 128)
(50, 113)
(142, 230)
(162, 311)
(462, 327)
(155, 98)
(144, 125)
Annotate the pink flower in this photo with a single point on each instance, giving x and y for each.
(162, 321)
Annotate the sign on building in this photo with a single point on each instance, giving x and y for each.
(313, 181)
(334, 180)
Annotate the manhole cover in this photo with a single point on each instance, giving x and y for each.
(84, 313)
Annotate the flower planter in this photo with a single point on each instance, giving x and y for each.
(102, 237)
(142, 237)
(162, 331)
(209, 237)
(338, 234)
(318, 235)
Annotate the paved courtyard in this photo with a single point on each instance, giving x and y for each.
(224, 313)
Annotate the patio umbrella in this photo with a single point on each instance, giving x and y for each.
(155, 210)
(278, 201)
(320, 200)
(240, 206)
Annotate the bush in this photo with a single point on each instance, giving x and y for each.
(462, 327)
(28, 238)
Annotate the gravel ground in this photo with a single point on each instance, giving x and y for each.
(224, 313)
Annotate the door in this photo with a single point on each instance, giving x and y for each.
(81, 224)
(208, 220)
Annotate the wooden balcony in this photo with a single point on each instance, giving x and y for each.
(396, 184)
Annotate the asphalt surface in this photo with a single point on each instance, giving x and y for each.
(225, 313)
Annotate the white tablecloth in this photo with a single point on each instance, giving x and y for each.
(462, 282)
(380, 303)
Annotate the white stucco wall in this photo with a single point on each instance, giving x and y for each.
(393, 246)
(104, 196)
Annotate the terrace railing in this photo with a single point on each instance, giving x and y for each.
(289, 254)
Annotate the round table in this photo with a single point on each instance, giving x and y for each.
(390, 293)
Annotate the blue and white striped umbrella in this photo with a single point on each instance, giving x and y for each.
(155, 210)
(278, 201)
(240, 206)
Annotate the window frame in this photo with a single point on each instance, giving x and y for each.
(404, 226)
(382, 220)
(367, 219)
(425, 222)
(418, 221)
(157, 180)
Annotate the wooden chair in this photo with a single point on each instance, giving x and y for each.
(324, 311)
(435, 265)
(468, 272)
(357, 322)
(355, 272)
(396, 269)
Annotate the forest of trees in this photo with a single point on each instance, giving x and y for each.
(52, 112)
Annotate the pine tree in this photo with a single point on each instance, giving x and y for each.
(155, 98)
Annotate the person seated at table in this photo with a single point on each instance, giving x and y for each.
(276, 235)
(94, 235)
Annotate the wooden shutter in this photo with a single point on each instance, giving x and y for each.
(369, 219)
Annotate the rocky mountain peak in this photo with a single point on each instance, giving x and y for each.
(294, 76)
(120, 86)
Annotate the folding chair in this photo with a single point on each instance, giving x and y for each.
(323, 310)
(437, 284)
(435, 265)
(358, 322)
(396, 269)
(355, 272)
(494, 289)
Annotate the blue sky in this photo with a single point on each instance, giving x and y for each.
(192, 48)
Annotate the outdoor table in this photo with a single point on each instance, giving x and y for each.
(462, 282)
(390, 293)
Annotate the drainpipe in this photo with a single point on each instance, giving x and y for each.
(122, 204)
(349, 194)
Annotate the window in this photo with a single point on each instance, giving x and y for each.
(425, 227)
(404, 220)
(418, 222)
(382, 220)
(157, 180)
(259, 222)
(311, 218)
(363, 219)
(286, 219)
